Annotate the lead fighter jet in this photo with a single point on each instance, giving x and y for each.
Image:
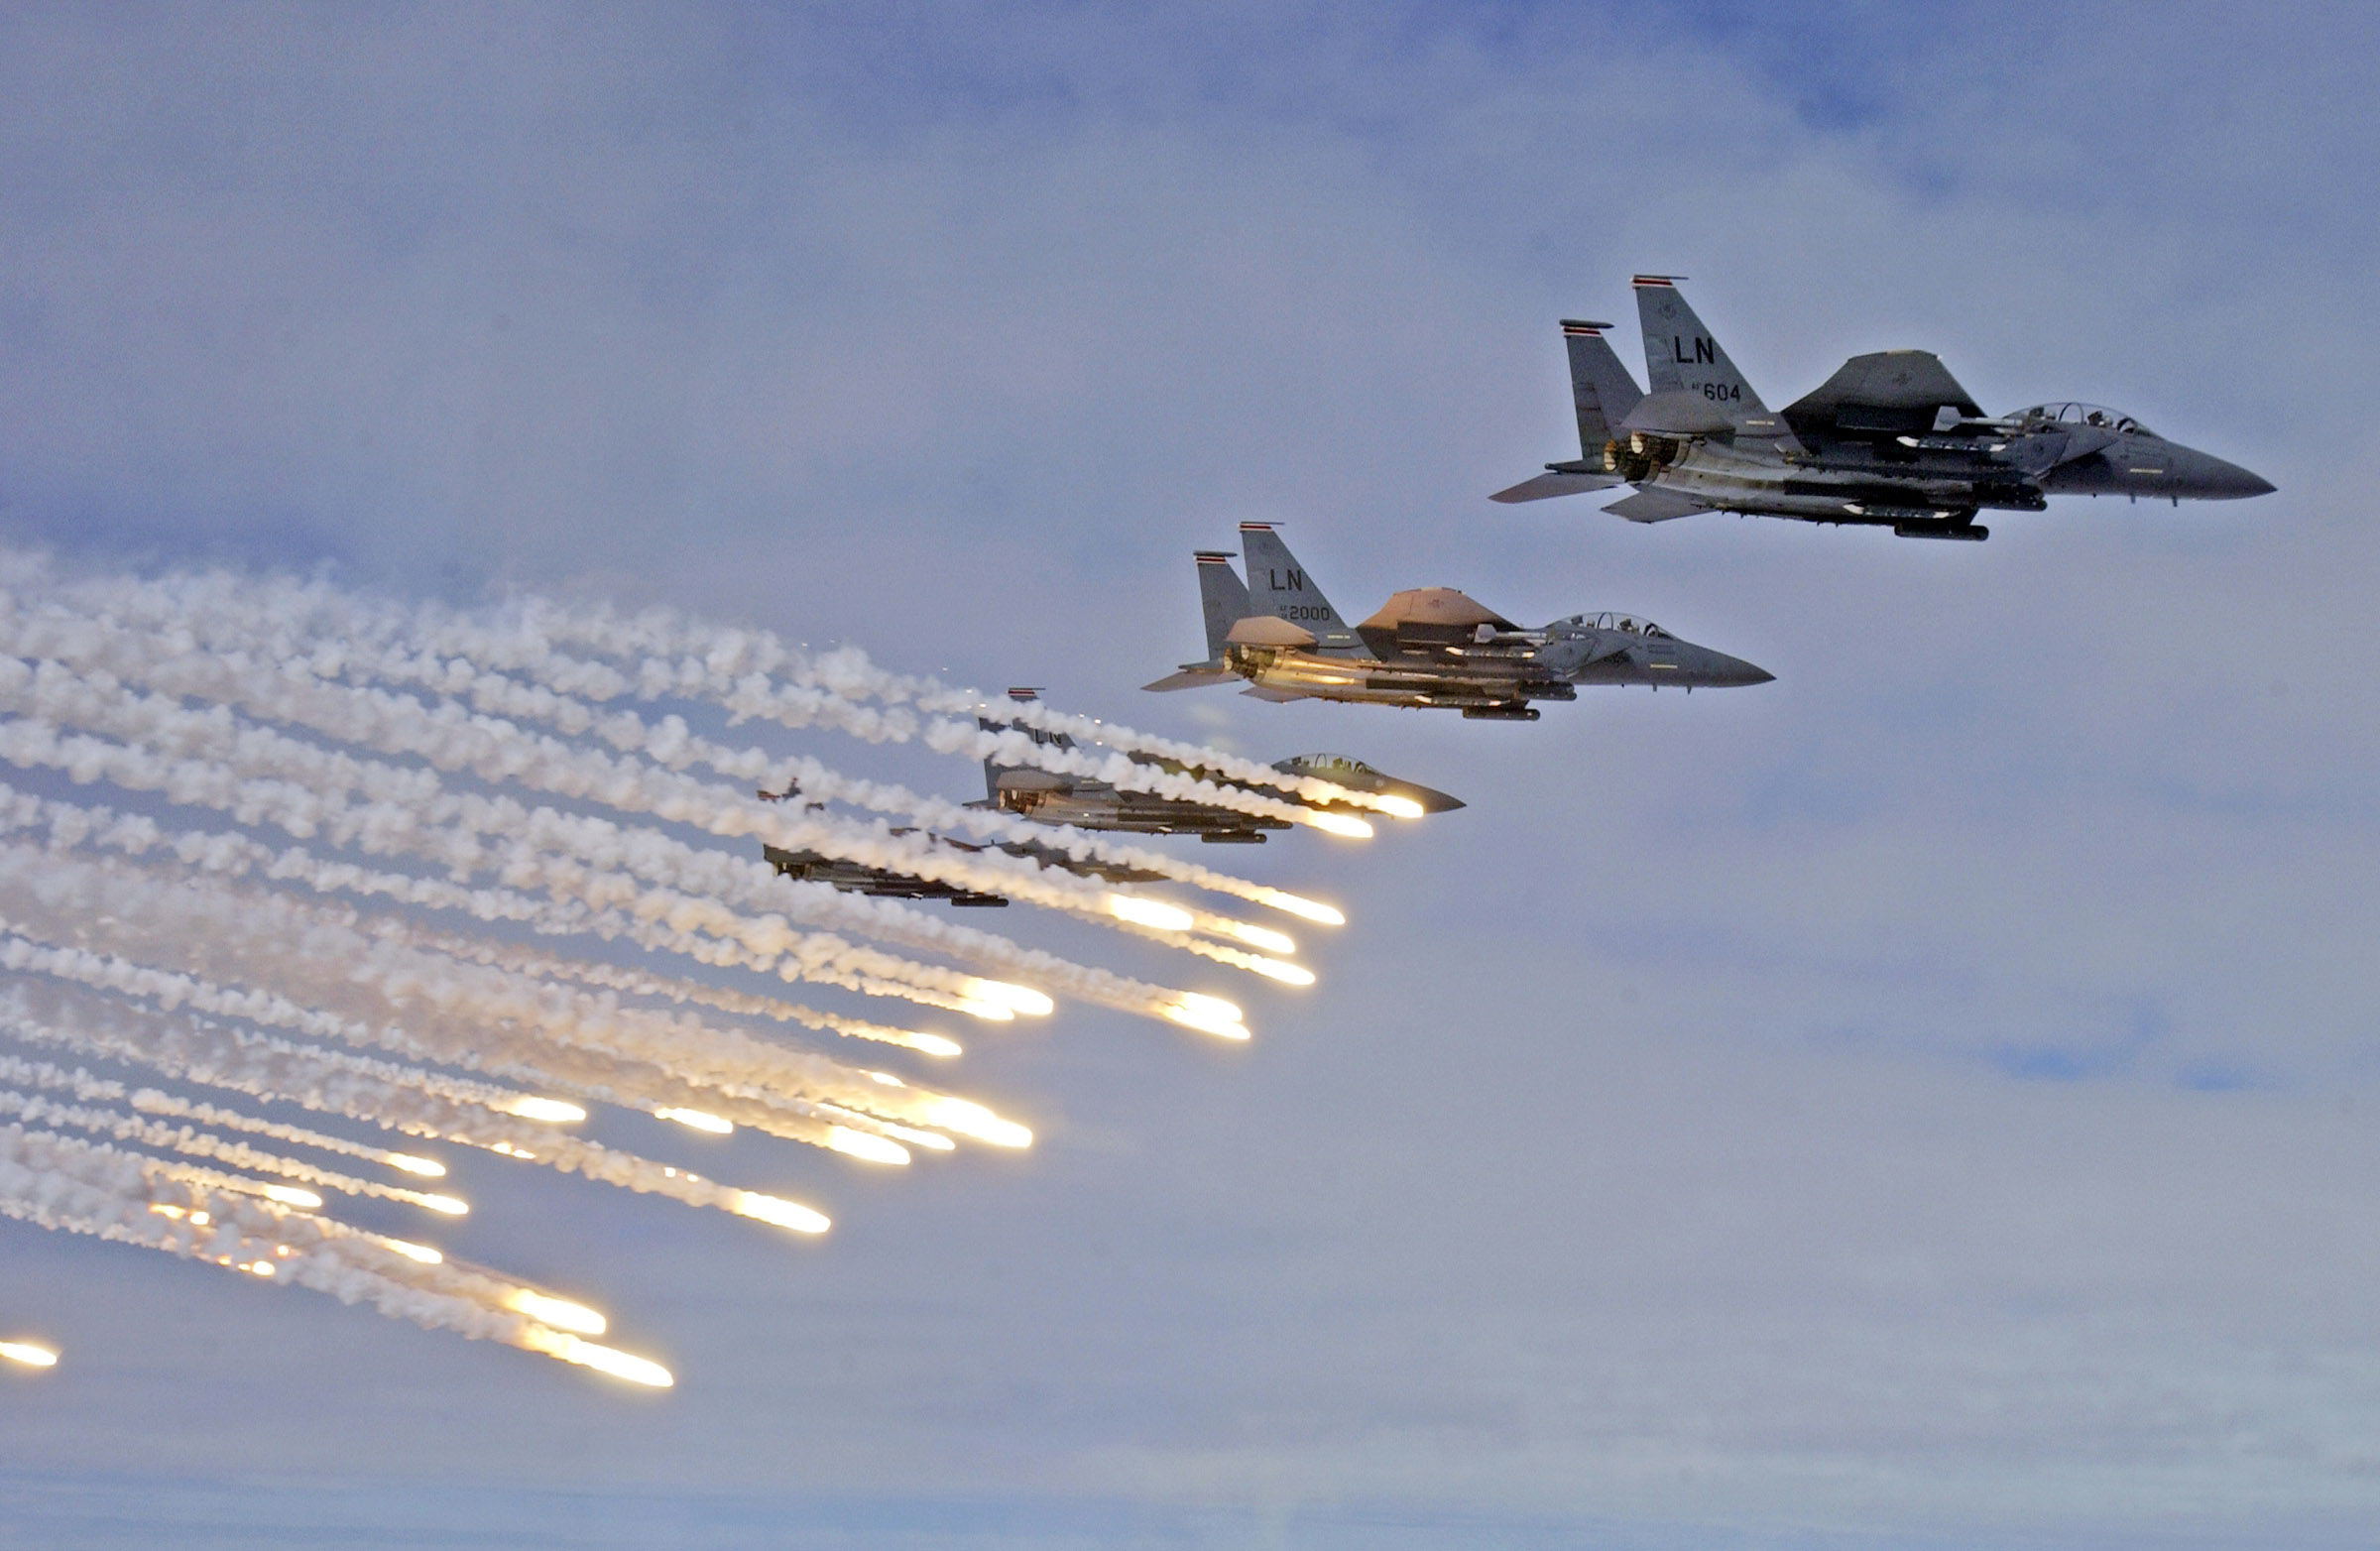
(1428, 646)
(1049, 797)
(1892, 439)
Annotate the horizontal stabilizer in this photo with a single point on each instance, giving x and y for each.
(1276, 696)
(1196, 676)
(1655, 506)
(1545, 486)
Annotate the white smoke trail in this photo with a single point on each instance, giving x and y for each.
(35, 1110)
(396, 745)
(754, 674)
(349, 637)
(90, 1088)
(541, 846)
(492, 749)
(398, 1098)
(444, 1010)
(64, 1183)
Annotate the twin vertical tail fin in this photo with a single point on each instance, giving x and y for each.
(1279, 587)
(1600, 385)
(1681, 355)
(1221, 597)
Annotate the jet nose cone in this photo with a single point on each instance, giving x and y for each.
(1726, 672)
(2211, 479)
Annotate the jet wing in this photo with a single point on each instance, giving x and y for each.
(1197, 675)
(1896, 390)
(1548, 485)
(1656, 505)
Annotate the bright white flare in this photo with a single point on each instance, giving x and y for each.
(697, 1120)
(1149, 912)
(29, 1354)
(866, 1146)
(1261, 936)
(604, 1360)
(291, 1195)
(1208, 1014)
(785, 1214)
(1341, 824)
(1286, 974)
(1016, 999)
(1311, 910)
(553, 1112)
(560, 1313)
(414, 1252)
(430, 1167)
(936, 1044)
(449, 1205)
(970, 1119)
(1399, 807)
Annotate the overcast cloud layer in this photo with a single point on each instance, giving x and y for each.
(1929, 1098)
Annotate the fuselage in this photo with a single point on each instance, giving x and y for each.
(1488, 669)
(1931, 476)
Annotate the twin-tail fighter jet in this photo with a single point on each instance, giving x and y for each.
(1890, 440)
(1053, 797)
(1428, 646)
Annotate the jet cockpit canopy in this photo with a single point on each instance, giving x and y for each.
(1323, 765)
(2043, 415)
(1625, 623)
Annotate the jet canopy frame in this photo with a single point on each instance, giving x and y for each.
(2098, 416)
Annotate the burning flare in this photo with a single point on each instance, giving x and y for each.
(553, 1111)
(1010, 998)
(28, 1353)
(1341, 824)
(604, 1360)
(1149, 912)
(1208, 1014)
(785, 1214)
(1310, 909)
(697, 1120)
(560, 1313)
(866, 1146)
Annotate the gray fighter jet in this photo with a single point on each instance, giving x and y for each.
(1890, 440)
(1428, 646)
(1050, 797)
(887, 883)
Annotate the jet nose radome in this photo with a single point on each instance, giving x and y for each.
(2209, 478)
(1725, 672)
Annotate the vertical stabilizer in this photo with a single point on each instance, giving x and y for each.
(1221, 597)
(1682, 355)
(1278, 586)
(1599, 384)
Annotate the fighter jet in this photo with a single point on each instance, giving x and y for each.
(1891, 440)
(1049, 797)
(1428, 646)
(884, 882)
(815, 867)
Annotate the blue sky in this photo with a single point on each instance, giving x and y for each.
(1924, 1100)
